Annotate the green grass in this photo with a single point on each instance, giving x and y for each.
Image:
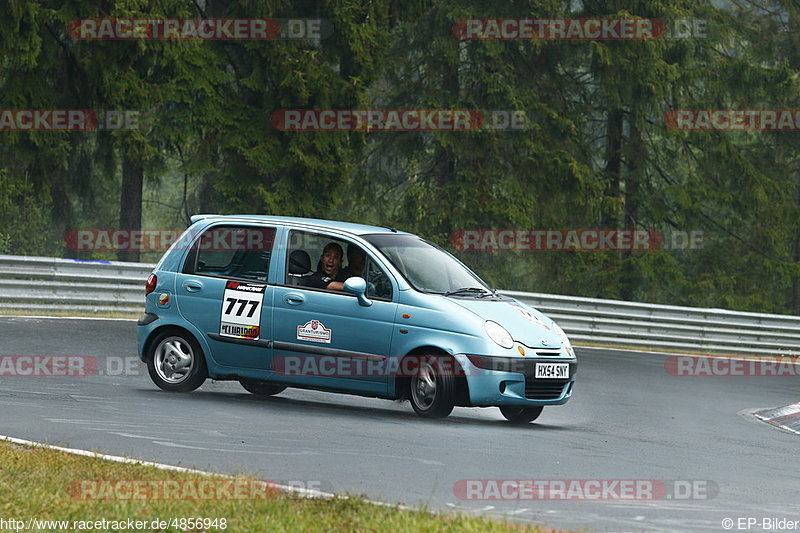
(35, 483)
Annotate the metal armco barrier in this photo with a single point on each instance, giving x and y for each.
(614, 322)
(43, 283)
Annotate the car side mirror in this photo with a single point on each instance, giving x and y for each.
(358, 287)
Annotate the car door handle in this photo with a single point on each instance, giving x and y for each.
(192, 285)
(294, 298)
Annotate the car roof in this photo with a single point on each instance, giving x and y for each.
(312, 223)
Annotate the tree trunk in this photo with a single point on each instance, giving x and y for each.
(613, 169)
(611, 212)
(130, 203)
(206, 198)
(794, 304)
(630, 279)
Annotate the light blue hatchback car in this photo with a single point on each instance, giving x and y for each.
(276, 302)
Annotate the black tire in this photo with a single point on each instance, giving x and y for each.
(521, 415)
(176, 362)
(261, 388)
(433, 387)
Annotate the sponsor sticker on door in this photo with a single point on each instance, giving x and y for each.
(314, 331)
(241, 310)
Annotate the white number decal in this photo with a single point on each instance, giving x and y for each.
(241, 310)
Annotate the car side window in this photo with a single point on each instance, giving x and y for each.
(378, 284)
(304, 258)
(232, 252)
(308, 266)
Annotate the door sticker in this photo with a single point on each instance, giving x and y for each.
(163, 300)
(241, 310)
(314, 331)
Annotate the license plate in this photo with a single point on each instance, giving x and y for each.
(552, 370)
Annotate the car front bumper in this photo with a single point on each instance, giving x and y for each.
(496, 381)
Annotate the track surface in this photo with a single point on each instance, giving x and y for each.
(628, 419)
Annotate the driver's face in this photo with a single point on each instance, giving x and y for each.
(356, 261)
(331, 262)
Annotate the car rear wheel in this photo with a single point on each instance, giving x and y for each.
(432, 388)
(521, 415)
(261, 388)
(176, 362)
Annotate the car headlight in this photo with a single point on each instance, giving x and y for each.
(499, 334)
(563, 337)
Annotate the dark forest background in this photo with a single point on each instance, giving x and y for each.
(598, 154)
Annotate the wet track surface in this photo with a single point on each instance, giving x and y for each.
(628, 419)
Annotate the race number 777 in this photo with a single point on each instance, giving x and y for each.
(242, 304)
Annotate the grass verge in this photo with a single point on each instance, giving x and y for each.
(43, 484)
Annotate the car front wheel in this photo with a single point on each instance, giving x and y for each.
(176, 362)
(521, 415)
(432, 388)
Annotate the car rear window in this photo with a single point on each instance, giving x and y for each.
(232, 252)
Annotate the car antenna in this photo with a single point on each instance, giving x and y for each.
(394, 230)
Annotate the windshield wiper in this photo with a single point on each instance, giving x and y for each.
(492, 293)
(462, 290)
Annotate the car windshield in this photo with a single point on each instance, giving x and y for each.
(427, 267)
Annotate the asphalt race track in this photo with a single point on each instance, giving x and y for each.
(628, 419)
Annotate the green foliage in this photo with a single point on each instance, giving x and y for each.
(597, 153)
(24, 219)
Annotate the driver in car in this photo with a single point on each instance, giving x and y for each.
(356, 262)
(328, 274)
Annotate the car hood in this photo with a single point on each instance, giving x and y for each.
(525, 324)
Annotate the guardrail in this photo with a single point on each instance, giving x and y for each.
(46, 283)
(43, 283)
(614, 322)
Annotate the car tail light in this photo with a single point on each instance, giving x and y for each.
(150, 285)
